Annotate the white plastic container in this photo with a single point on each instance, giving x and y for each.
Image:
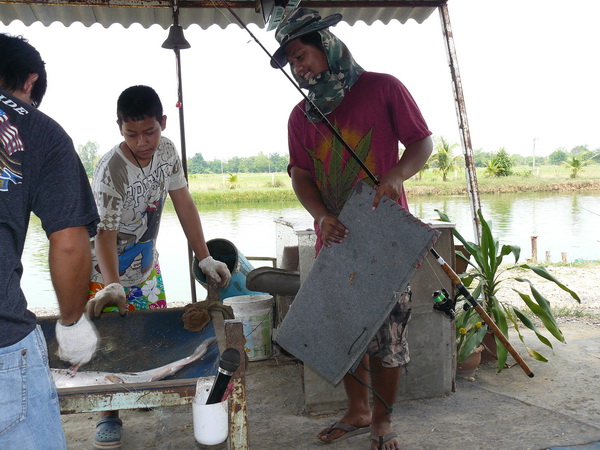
(256, 313)
(211, 422)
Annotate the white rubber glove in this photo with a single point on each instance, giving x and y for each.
(77, 342)
(216, 270)
(113, 294)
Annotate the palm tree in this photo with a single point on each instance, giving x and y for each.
(577, 162)
(232, 179)
(443, 160)
(493, 168)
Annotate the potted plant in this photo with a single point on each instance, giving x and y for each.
(485, 275)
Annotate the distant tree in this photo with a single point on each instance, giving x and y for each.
(482, 158)
(520, 160)
(234, 165)
(443, 161)
(493, 168)
(233, 179)
(259, 163)
(88, 154)
(577, 162)
(557, 157)
(579, 149)
(196, 164)
(214, 166)
(504, 162)
(500, 165)
(279, 163)
(244, 165)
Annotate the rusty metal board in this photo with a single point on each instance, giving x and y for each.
(351, 287)
(156, 394)
(141, 340)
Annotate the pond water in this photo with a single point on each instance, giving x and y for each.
(562, 222)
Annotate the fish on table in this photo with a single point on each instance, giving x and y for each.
(68, 378)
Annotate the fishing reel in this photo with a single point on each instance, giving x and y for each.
(443, 302)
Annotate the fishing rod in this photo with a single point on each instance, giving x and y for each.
(485, 316)
(322, 117)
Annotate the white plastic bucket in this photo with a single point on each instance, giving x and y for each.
(211, 422)
(256, 313)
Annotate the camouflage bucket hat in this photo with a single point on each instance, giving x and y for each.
(299, 22)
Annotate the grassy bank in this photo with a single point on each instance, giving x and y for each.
(252, 195)
(276, 187)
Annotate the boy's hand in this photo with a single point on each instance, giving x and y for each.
(77, 342)
(113, 294)
(216, 270)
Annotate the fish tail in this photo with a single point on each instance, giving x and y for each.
(170, 369)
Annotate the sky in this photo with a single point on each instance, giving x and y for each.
(529, 72)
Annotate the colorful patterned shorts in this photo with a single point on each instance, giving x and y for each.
(150, 294)
(389, 344)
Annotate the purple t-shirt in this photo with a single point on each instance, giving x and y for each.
(376, 114)
(40, 172)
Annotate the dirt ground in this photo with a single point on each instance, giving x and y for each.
(559, 407)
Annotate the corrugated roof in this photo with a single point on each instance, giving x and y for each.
(202, 13)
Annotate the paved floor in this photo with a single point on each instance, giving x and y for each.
(558, 408)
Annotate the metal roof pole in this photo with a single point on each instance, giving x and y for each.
(463, 124)
(176, 41)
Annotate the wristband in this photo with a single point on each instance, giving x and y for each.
(69, 325)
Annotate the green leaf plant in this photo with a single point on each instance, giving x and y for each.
(483, 277)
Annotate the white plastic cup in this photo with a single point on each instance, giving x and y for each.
(211, 422)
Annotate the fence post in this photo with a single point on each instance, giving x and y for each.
(534, 248)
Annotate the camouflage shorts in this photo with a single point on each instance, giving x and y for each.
(389, 344)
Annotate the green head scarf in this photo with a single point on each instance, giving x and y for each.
(327, 89)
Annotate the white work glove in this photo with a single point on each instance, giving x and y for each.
(113, 294)
(216, 270)
(77, 342)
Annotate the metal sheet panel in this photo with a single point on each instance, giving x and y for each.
(352, 287)
(202, 13)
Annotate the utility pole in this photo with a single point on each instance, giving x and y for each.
(463, 124)
(533, 165)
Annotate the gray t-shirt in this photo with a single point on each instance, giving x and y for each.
(40, 172)
(130, 200)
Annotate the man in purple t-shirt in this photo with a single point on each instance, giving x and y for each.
(373, 112)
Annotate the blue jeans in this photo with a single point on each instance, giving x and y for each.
(29, 410)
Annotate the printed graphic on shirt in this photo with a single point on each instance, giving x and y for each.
(140, 250)
(9, 135)
(336, 171)
(10, 142)
(130, 201)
